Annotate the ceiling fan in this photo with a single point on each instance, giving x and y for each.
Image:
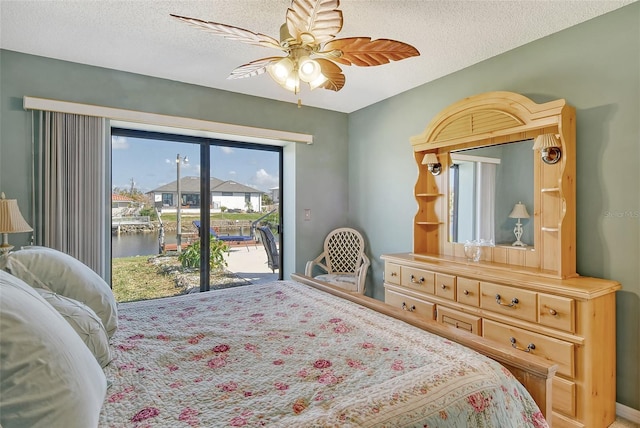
(312, 51)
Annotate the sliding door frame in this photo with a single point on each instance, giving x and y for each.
(205, 144)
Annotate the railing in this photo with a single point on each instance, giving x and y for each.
(254, 224)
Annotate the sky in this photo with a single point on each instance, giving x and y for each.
(152, 163)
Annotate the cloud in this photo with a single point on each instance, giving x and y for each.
(119, 143)
(263, 180)
(226, 150)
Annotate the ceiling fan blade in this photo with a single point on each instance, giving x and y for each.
(232, 33)
(364, 52)
(320, 18)
(335, 79)
(254, 68)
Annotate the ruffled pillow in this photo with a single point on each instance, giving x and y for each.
(84, 321)
(48, 376)
(56, 271)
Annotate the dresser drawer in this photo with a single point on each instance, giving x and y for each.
(470, 323)
(510, 301)
(468, 291)
(445, 286)
(557, 312)
(558, 351)
(420, 307)
(392, 273)
(564, 396)
(417, 279)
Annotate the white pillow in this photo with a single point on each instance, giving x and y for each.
(56, 271)
(84, 321)
(48, 376)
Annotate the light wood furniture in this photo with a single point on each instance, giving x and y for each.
(531, 299)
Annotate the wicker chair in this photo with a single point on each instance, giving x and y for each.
(343, 260)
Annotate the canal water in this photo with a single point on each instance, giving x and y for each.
(146, 244)
(137, 244)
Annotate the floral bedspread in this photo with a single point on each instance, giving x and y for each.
(286, 355)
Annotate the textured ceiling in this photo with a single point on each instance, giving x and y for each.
(139, 36)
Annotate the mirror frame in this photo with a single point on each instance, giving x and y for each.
(496, 118)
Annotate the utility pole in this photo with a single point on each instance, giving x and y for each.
(179, 161)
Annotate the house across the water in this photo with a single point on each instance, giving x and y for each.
(225, 195)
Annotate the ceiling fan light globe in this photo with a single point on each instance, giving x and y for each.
(309, 70)
(292, 84)
(282, 69)
(317, 82)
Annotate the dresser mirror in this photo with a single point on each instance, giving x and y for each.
(485, 184)
(538, 195)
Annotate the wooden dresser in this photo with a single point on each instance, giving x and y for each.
(530, 298)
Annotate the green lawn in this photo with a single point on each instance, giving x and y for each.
(153, 277)
(136, 278)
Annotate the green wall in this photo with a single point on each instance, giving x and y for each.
(595, 66)
(360, 168)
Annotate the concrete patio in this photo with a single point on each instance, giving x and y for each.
(250, 263)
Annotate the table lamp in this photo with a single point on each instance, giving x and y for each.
(11, 221)
(519, 211)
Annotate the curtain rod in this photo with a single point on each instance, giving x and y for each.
(225, 130)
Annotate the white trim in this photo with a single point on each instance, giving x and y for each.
(471, 158)
(218, 129)
(628, 413)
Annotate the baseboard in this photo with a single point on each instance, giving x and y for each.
(628, 413)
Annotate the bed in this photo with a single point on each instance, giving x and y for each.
(286, 354)
(295, 353)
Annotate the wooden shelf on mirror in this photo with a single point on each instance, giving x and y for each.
(429, 195)
(550, 229)
(550, 190)
(429, 223)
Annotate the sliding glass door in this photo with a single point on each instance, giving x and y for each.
(173, 193)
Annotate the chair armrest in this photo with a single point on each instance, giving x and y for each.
(308, 270)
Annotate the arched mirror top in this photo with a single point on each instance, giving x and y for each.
(492, 115)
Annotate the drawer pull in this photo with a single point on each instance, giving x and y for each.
(465, 292)
(553, 312)
(394, 273)
(419, 281)
(408, 308)
(444, 287)
(514, 302)
(527, 349)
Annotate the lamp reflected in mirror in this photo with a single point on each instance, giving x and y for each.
(519, 212)
(549, 146)
(433, 164)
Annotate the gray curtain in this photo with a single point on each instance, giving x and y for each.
(485, 202)
(70, 192)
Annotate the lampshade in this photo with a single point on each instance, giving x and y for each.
(519, 211)
(11, 220)
(430, 158)
(544, 141)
